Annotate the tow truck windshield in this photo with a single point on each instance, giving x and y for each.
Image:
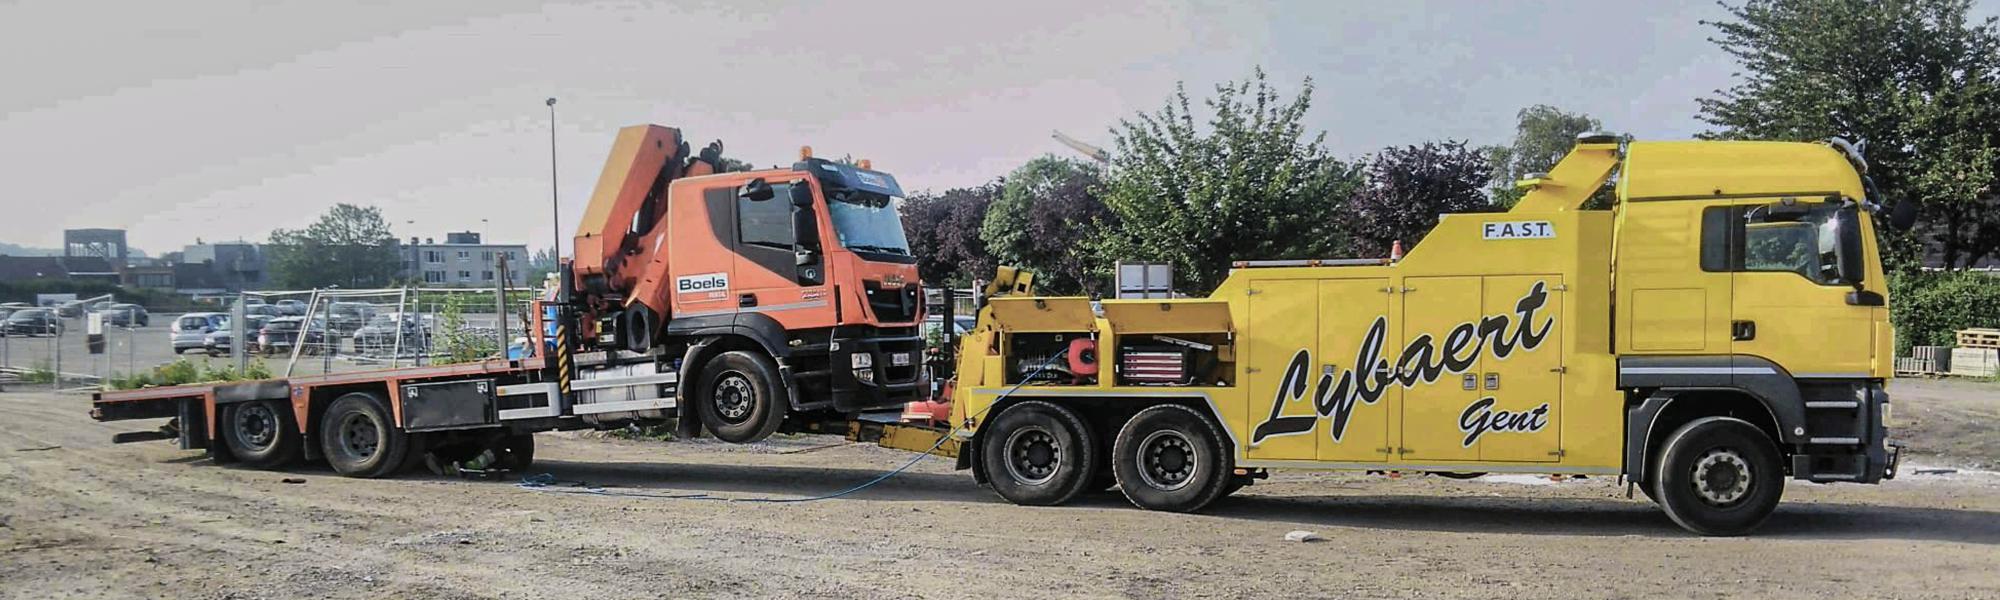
(869, 222)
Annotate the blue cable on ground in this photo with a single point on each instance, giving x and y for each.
(547, 483)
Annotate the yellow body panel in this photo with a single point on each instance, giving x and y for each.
(1167, 316)
(1367, 366)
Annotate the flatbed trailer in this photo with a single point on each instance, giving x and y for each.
(455, 411)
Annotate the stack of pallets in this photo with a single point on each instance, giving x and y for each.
(1977, 354)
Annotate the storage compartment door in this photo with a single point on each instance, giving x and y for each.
(1278, 346)
(1523, 421)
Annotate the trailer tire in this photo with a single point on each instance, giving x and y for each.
(1171, 458)
(740, 399)
(1718, 476)
(516, 451)
(260, 434)
(359, 439)
(1039, 454)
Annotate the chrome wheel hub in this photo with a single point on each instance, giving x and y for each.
(734, 398)
(1033, 456)
(1722, 477)
(1167, 460)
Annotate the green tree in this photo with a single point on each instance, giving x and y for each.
(1247, 183)
(350, 246)
(1543, 134)
(539, 266)
(1914, 79)
(1045, 219)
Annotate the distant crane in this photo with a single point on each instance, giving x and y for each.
(1095, 153)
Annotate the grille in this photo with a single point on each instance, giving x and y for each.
(892, 305)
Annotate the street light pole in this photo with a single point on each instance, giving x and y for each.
(555, 205)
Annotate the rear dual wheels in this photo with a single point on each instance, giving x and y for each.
(1039, 454)
(1171, 458)
(359, 439)
(1167, 457)
(260, 434)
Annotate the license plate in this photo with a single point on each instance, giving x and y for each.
(900, 359)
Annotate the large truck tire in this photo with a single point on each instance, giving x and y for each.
(1039, 454)
(1718, 476)
(740, 399)
(1171, 458)
(359, 439)
(260, 434)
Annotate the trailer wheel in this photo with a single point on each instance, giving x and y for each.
(1171, 458)
(359, 440)
(1718, 476)
(740, 399)
(1039, 454)
(261, 434)
(516, 451)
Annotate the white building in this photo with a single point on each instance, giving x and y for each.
(463, 261)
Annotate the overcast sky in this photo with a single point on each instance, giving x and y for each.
(222, 120)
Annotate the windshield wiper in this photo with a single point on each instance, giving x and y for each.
(879, 249)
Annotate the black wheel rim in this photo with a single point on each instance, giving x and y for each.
(1722, 477)
(359, 437)
(1168, 461)
(734, 398)
(256, 426)
(1033, 455)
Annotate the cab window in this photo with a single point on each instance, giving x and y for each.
(1777, 238)
(766, 222)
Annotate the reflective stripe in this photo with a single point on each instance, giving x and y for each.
(754, 309)
(1696, 371)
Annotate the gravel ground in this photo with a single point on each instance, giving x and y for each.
(82, 518)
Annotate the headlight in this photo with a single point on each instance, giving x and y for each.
(862, 360)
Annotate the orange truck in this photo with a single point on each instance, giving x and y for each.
(733, 302)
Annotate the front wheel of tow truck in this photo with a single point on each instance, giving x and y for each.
(260, 434)
(1718, 476)
(1038, 454)
(740, 399)
(1171, 458)
(359, 439)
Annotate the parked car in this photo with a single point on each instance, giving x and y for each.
(190, 331)
(266, 310)
(381, 332)
(16, 305)
(32, 321)
(126, 315)
(291, 308)
(280, 334)
(218, 342)
(343, 318)
(6, 311)
(70, 310)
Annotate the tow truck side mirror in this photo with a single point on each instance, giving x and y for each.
(1847, 244)
(757, 190)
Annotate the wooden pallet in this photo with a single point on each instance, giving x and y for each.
(1979, 338)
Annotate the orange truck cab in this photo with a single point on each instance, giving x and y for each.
(744, 296)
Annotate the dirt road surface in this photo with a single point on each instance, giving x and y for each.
(81, 518)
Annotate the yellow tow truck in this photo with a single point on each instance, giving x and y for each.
(1722, 328)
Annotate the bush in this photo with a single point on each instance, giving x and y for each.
(1929, 307)
(183, 372)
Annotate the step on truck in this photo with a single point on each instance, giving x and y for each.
(731, 303)
(1722, 327)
